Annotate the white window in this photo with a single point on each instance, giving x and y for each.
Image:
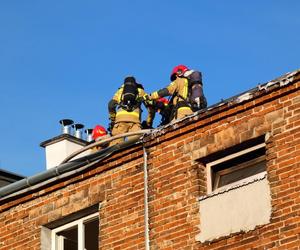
(241, 166)
(81, 234)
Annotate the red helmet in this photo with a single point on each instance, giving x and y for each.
(178, 70)
(98, 131)
(163, 100)
(161, 103)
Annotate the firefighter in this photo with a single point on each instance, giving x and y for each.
(99, 133)
(162, 107)
(178, 88)
(125, 108)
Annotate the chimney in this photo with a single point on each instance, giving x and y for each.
(63, 145)
(66, 126)
(88, 133)
(78, 130)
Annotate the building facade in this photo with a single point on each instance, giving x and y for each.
(227, 177)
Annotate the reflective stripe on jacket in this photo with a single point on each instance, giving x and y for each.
(178, 89)
(123, 115)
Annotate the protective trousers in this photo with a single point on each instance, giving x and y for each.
(182, 112)
(124, 127)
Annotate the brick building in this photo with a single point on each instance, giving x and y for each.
(227, 177)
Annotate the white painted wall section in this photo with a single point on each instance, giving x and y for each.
(239, 209)
(57, 152)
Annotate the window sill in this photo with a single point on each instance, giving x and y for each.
(235, 185)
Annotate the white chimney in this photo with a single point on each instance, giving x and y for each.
(59, 147)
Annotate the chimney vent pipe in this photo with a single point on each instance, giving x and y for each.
(78, 130)
(66, 125)
(89, 132)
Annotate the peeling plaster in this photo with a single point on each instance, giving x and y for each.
(244, 97)
(245, 182)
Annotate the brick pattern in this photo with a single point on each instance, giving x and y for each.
(176, 180)
(175, 183)
(118, 190)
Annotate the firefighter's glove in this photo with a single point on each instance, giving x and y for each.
(146, 98)
(145, 125)
(112, 117)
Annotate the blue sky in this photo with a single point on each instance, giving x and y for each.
(65, 59)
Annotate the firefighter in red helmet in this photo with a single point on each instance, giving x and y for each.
(181, 87)
(178, 87)
(162, 107)
(99, 133)
(178, 71)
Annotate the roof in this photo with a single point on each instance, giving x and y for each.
(82, 163)
(63, 137)
(248, 95)
(7, 177)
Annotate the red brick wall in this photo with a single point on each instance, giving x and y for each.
(176, 180)
(119, 189)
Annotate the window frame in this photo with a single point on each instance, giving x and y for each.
(80, 233)
(210, 165)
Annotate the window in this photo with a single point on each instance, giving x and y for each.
(237, 188)
(236, 166)
(81, 234)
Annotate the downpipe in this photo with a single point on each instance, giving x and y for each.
(146, 205)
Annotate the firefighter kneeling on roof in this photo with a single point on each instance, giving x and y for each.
(186, 91)
(125, 108)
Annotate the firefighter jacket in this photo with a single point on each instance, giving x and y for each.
(120, 114)
(178, 89)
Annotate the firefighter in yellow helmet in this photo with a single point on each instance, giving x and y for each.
(125, 108)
